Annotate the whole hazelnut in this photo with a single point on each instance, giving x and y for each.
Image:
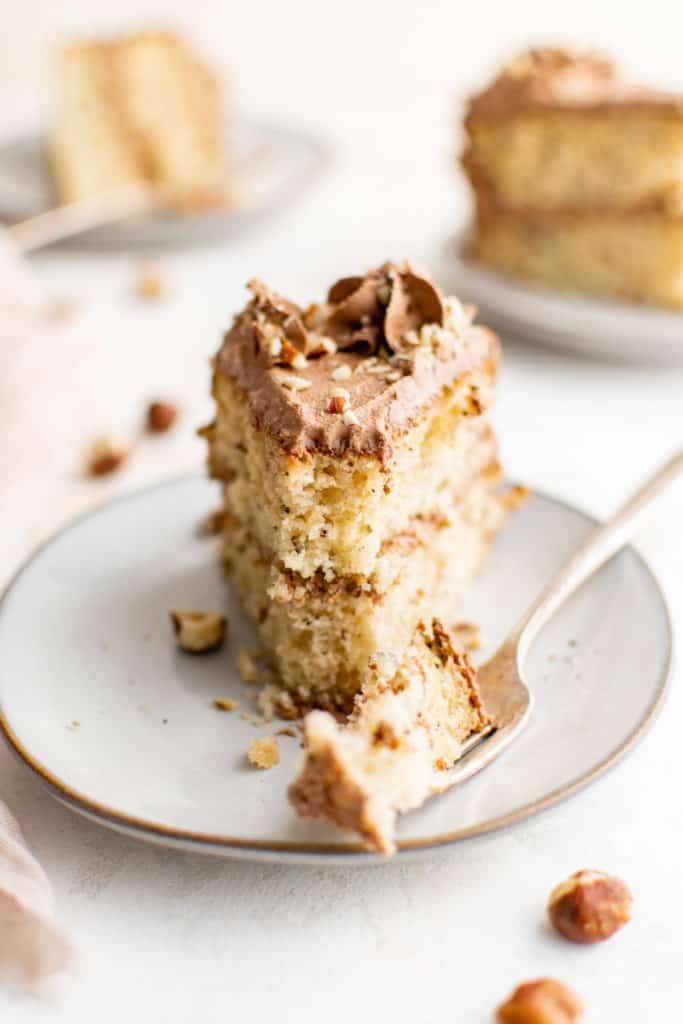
(589, 906)
(544, 1001)
(160, 416)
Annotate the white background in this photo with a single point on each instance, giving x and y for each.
(172, 938)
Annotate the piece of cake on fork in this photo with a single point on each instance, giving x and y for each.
(137, 110)
(360, 476)
(577, 177)
(408, 726)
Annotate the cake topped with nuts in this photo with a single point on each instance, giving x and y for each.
(355, 371)
(361, 492)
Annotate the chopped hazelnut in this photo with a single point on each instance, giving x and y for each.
(199, 632)
(291, 356)
(161, 416)
(150, 284)
(589, 906)
(350, 418)
(342, 372)
(264, 753)
(224, 704)
(544, 1001)
(296, 383)
(107, 454)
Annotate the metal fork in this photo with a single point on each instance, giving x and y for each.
(505, 694)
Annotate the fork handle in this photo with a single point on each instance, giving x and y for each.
(601, 544)
(74, 218)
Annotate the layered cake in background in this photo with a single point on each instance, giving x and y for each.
(141, 109)
(361, 489)
(577, 177)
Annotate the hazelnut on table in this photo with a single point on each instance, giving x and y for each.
(106, 454)
(161, 416)
(543, 1001)
(198, 632)
(589, 906)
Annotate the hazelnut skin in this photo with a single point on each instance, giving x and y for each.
(589, 906)
(544, 1001)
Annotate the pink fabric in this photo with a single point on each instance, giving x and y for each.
(32, 946)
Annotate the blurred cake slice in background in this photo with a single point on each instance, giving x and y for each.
(407, 729)
(141, 109)
(577, 177)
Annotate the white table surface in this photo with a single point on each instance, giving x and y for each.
(171, 937)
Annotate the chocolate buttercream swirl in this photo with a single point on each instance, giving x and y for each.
(276, 310)
(383, 306)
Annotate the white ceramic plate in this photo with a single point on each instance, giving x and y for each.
(85, 637)
(618, 331)
(272, 164)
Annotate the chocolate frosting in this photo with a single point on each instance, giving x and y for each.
(383, 306)
(556, 78)
(386, 393)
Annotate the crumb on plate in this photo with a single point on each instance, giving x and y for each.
(264, 752)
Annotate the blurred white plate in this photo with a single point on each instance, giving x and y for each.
(271, 165)
(617, 331)
(85, 636)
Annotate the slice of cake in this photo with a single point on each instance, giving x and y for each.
(578, 177)
(137, 110)
(359, 469)
(407, 728)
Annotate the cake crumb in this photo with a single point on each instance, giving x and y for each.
(74, 724)
(225, 704)
(150, 284)
(212, 524)
(287, 731)
(265, 752)
(246, 666)
(470, 635)
(267, 701)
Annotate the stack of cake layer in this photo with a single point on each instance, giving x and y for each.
(137, 110)
(578, 177)
(359, 469)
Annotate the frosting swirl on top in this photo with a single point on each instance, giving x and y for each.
(382, 306)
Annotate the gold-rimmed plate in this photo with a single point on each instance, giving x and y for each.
(121, 727)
